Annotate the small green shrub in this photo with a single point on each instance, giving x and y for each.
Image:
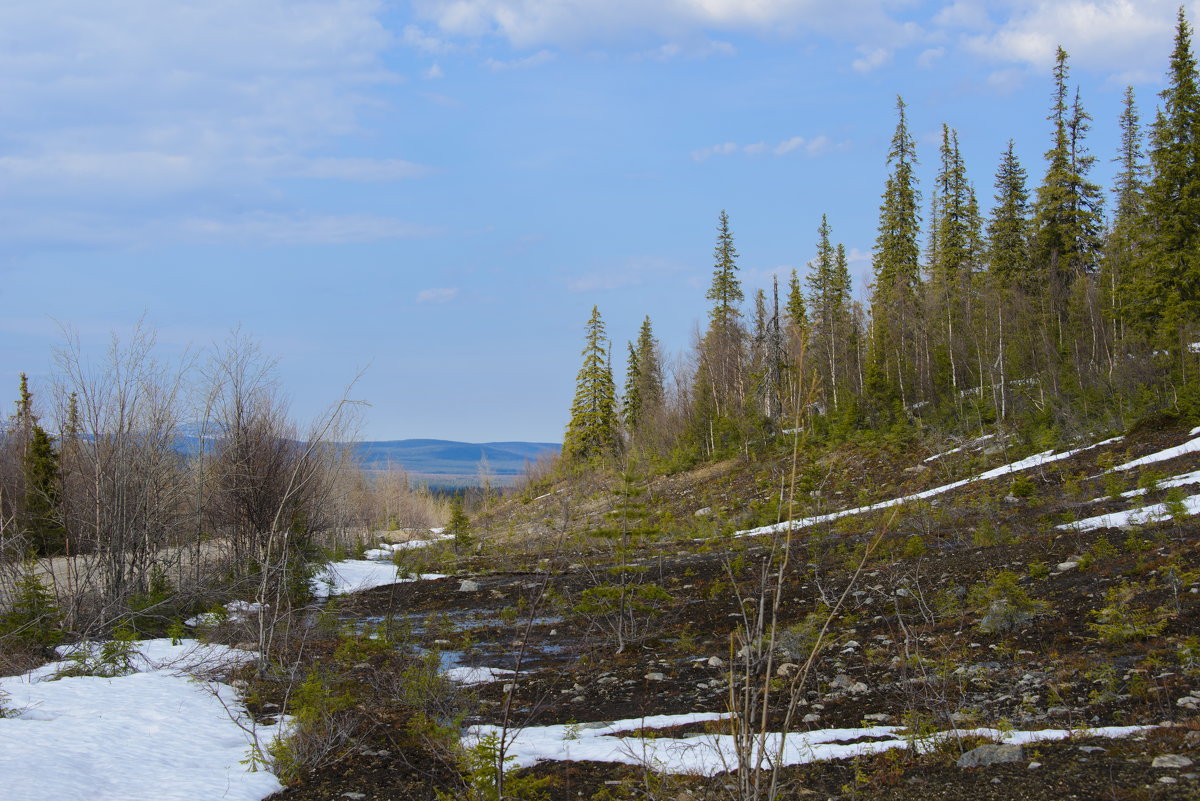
(484, 772)
(1121, 620)
(1003, 603)
(34, 618)
(1022, 487)
(111, 658)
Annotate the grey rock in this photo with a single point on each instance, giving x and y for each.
(716, 662)
(1171, 761)
(986, 755)
(655, 677)
(467, 585)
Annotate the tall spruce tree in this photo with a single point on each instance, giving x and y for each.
(1166, 291)
(1125, 241)
(1010, 275)
(592, 430)
(726, 290)
(1067, 212)
(39, 508)
(952, 258)
(829, 299)
(1008, 228)
(897, 279)
(720, 390)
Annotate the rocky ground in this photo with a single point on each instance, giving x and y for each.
(974, 608)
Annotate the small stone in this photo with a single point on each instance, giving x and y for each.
(811, 717)
(1167, 780)
(702, 512)
(353, 796)
(1062, 567)
(878, 717)
(467, 585)
(716, 662)
(1188, 702)
(1034, 765)
(1171, 761)
(986, 755)
(579, 699)
(655, 677)
(786, 669)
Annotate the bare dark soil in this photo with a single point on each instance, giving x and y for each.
(909, 644)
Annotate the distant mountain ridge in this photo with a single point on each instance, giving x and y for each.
(449, 459)
(437, 462)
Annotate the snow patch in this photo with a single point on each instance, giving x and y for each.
(1132, 517)
(1191, 446)
(387, 549)
(353, 575)
(1024, 464)
(154, 735)
(709, 754)
(959, 449)
(477, 675)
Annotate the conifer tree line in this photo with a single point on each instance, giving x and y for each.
(154, 488)
(1046, 312)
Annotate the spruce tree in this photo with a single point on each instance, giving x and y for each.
(1008, 228)
(631, 398)
(643, 395)
(39, 507)
(897, 280)
(1125, 241)
(726, 290)
(1167, 290)
(829, 293)
(720, 387)
(1067, 212)
(592, 430)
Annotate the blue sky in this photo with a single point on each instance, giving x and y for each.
(438, 191)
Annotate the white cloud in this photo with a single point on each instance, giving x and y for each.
(532, 23)
(413, 36)
(930, 57)
(635, 272)
(967, 14)
(358, 169)
(809, 147)
(705, 153)
(437, 295)
(275, 229)
(133, 97)
(872, 58)
(535, 60)
(1102, 33)
(698, 49)
(433, 73)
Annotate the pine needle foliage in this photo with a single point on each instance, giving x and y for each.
(593, 428)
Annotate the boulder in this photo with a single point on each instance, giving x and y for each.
(991, 754)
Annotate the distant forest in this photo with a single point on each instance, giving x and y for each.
(1048, 314)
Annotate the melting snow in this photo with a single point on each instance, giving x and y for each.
(353, 575)
(1023, 464)
(1132, 517)
(156, 734)
(1191, 446)
(477, 675)
(960, 448)
(387, 549)
(709, 754)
